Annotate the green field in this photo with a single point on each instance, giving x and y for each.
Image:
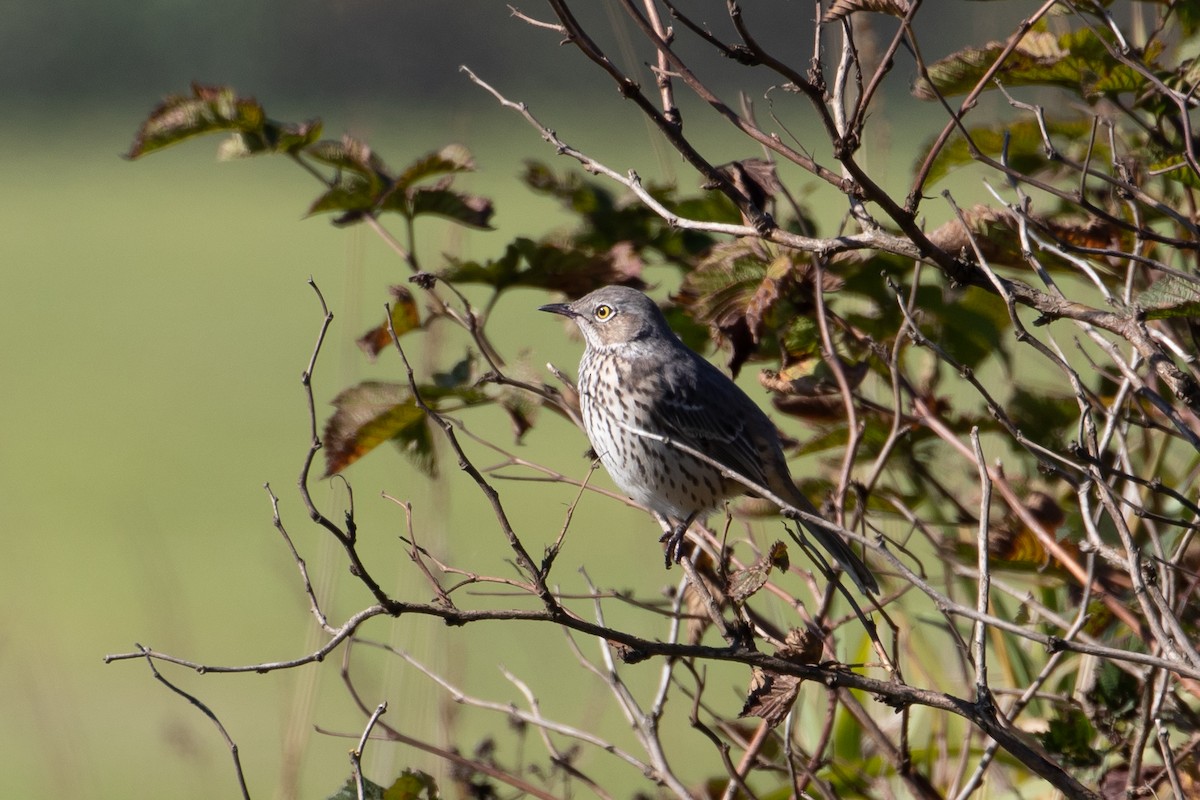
(158, 320)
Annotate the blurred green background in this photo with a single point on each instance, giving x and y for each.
(156, 322)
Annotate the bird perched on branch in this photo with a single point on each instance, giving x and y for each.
(671, 428)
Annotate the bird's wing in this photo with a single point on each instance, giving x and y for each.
(706, 410)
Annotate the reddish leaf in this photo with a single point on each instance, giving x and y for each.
(370, 414)
(405, 317)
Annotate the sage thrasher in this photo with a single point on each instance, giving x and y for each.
(644, 396)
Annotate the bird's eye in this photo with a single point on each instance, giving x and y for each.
(603, 312)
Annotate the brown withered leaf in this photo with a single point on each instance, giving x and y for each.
(778, 555)
(746, 581)
(520, 414)
(992, 230)
(627, 654)
(771, 696)
(801, 646)
(405, 317)
(812, 378)
(755, 178)
(840, 9)
(995, 232)
(744, 288)
(1014, 541)
(549, 264)
(1112, 784)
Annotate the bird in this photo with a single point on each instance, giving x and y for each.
(644, 395)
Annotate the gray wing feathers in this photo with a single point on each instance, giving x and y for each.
(719, 420)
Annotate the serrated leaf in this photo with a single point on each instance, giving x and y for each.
(209, 109)
(351, 154)
(451, 159)
(467, 209)
(1170, 296)
(1076, 61)
(745, 582)
(291, 136)
(369, 414)
(352, 194)
(547, 265)
(215, 109)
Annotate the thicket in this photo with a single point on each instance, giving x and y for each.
(1001, 409)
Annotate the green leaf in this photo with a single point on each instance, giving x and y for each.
(1025, 148)
(216, 109)
(470, 210)
(549, 265)
(209, 109)
(972, 325)
(1171, 296)
(353, 155)
(413, 784)
(349, 791)
(1115, 693)
(353, 194)
(1177, 170)
(1076, 61)
(801, 337)
(1043, 416)
(452, 158)
(458, 375)
(1069, 736)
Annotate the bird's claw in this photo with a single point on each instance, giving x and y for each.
(674, 542)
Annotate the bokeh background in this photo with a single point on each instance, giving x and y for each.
(156, 320)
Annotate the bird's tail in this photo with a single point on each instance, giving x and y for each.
(836, 546)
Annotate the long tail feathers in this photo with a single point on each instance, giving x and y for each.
(847, 558)
(837, 547)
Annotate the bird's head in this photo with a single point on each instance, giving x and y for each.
(614, 315)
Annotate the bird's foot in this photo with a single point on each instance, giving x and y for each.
(674, 541)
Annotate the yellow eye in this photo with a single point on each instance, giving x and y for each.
(603, 312)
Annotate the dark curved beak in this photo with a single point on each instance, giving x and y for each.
(558, 308)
